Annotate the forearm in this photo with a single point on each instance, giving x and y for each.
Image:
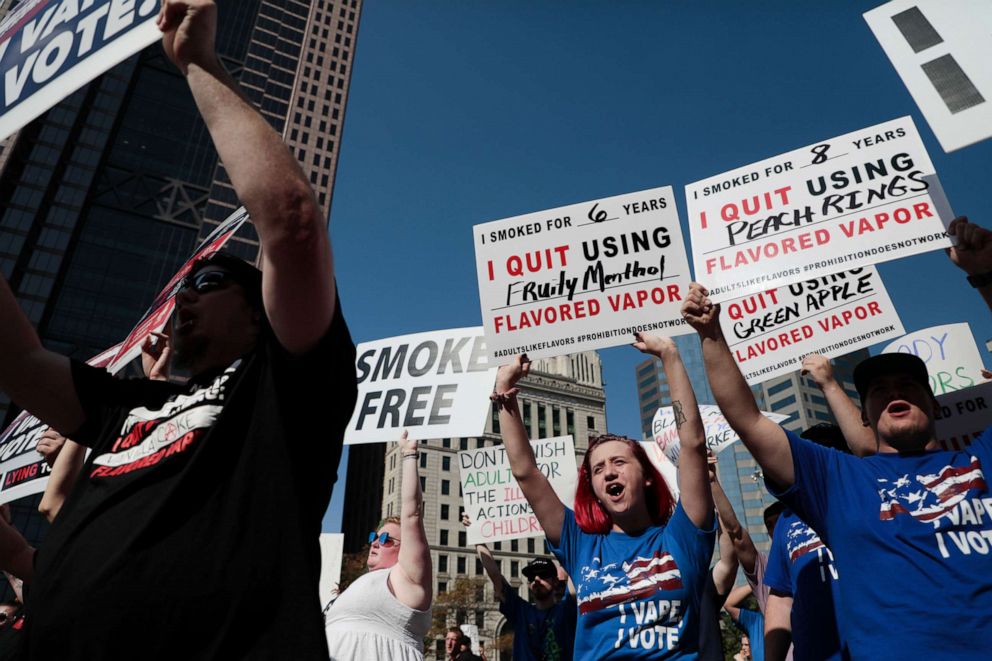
(860, 439)
(778, 627)
(414, 555)
(732, 529)
(492, 569)
(62, 479)
(725, 570)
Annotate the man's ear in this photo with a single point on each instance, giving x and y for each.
(864, 417)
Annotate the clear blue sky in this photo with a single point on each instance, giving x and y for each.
(465, 112)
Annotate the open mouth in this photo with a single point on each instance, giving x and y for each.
(614, 490)
(898, 407)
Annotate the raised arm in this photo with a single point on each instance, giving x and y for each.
(778, 626)
(489, 564)
(297, 268)
(548, 508)
(860, 438)
(413, 582)
(973, 254)
(62, 479)
(694, 482)
(725, 569)
(731, 526)
(765, 440)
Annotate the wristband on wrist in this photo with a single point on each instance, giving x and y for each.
(410, 455)
(980, 280)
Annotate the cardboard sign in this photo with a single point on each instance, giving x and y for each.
(24, 472)
(951, 355)
(51, 48)
(963, 416)
(160, 311)
(434, 385)
(770, 333)
(862, 198)
(583, 276)
(941, 50)
(331, 554)
(495, 503)
(719, 435)
(667, 469)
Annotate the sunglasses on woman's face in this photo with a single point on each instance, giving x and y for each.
(384, 539)
(205, 281)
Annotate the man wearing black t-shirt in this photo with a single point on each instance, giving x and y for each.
(198, 500)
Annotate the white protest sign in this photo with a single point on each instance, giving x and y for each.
(719, 435)
(668, 470)
(494, 501)
(963, 416)
(583, 276)
(331, 553)
(942, 50)
(770, 333)
(866, 197)
(952, 357)
(51, 48)
(434, 385)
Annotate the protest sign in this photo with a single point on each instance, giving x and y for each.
(941, 50)
(667, 469)
(331, 553)
(24, 472)
(51, 48)
(952, 357)
(159, 312)
(866, 197)
(583, 276)
(434, 385)
(719, 435)
(963, 415)
(495, 503)
(770, 333)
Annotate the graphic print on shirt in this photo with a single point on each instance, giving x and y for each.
(942, 498)
(150, 435)
(638, 579)
(800, 540)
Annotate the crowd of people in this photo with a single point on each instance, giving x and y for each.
(185, 516)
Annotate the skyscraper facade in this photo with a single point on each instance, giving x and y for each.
(561, 396)
(105, 195)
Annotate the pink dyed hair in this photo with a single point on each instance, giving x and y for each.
(590, 514)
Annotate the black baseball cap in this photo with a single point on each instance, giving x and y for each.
(885, 364)
(540, 567)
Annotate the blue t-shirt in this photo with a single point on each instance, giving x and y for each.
(753, 624)
(540, 635)
(638, 595)
(801, 566)
(911, 533)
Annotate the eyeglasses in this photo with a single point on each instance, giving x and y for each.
(384, 539)
(204, 281)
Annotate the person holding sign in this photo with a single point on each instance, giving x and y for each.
(386, 613)
(639, 562)
(199, 500)
(908, 527)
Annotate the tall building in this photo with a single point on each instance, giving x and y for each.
(104, 196)
(560, 396)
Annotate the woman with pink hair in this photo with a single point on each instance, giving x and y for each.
(638, 560)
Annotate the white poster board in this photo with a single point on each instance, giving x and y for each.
(331, 554)
(963, 415)
(950, 352)
(493, 500)
(668, 470)
(434, 385)
(719, 435)
(770, 333)
(51, 48)
(583, 276)
(941, 49)
(865, 197)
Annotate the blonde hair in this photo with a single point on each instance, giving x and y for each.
(390, 519)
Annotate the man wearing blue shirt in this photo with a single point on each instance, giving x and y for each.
(911, 527)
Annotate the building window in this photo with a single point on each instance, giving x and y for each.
(478, 567)
(569, 422)
(555, 421)
(423, 484)
(462, 539)
(542, 423)
(514, 569)
(445, 487)
(444, 512)
(590, 422)
(480, 620)
(774, 390)
(445, 442)
(442, 563)
(527, 416)
(446, 463)
(443, 537)
(530, 545)
(514, 546)
(782, 403)
(461, 564)
(442, 587)
(495, 418)
(498, 546)
(423, 460)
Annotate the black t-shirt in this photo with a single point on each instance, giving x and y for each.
(192, 531)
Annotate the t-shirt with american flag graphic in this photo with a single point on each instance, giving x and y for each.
(911, 536)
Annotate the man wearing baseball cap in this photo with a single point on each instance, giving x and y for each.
(910, 527)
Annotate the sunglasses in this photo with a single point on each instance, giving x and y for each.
(384, 539)
(204, 281)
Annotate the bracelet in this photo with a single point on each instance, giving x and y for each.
(410, 455)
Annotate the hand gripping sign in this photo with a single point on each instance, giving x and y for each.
(770, 333)
(583, 276)
(719, 435)
(950, 352)
(494, 501)
(862, 198)
(434, 385)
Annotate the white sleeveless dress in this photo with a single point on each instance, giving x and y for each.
(367, 622)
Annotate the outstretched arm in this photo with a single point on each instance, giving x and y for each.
(732, 605)
(412, 584)
(778, 626)
(860, 438)
(731, 526)
(973, 253)
(489, 564)
(548, 508)
(694, 482)
(297, 268)
(765, 440)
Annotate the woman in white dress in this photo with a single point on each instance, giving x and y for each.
(386, 613)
